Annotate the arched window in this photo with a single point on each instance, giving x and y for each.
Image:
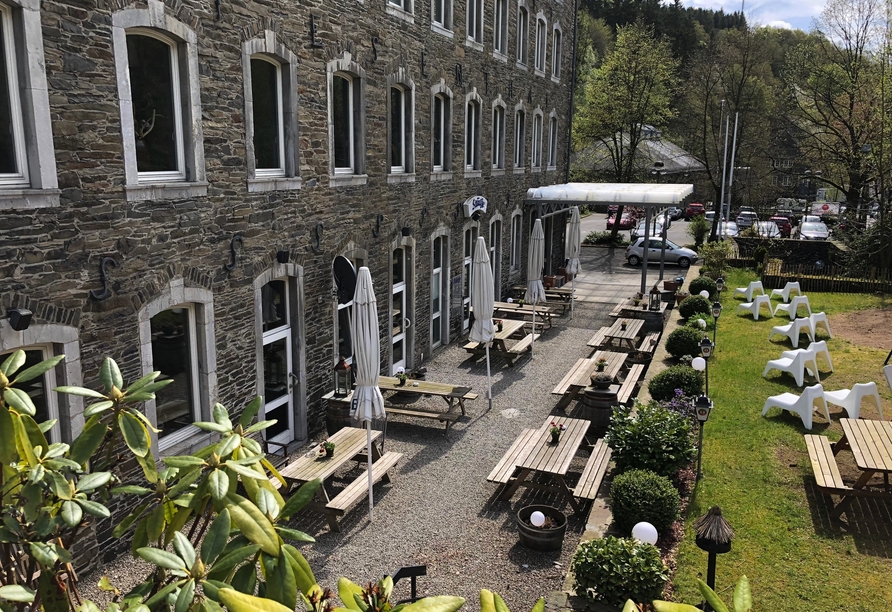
(346, 121)
(520, 134)
(523, 34)
(498, 134)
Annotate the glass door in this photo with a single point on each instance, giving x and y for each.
(437, 293)
(399, 314)
(495, 257)
(278, 376)
(467, 261)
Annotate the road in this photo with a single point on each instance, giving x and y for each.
(597, 222)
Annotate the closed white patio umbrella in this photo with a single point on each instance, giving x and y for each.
(574, 243)
(535, 262)
(482, 301)
(367, 399)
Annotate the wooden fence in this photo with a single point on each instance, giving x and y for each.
(816, 277)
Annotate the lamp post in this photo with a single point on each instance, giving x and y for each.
(701, 364)
(716, 313)
(714, 535)
(702, 408)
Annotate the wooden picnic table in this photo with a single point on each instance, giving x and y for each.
(580, 375)
(533, 453)
(350, 445)
(565, 294)
(871, 444)
(511, 328)
(627, 335)
(513, 309)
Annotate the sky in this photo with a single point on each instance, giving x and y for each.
(796, 14)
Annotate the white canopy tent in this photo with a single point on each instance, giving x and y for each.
(554, 199)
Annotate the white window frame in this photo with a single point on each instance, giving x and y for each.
(474, 24)
(470, 231)
(552, 140)
(404, 172)
(472, 135)
(495, 253)
(266, 47)
(444, 170)
(351, 131)
(499, 109)
(443, 27)
(520, 132)
(536, 144)
(445, 268)
(400, 167)
(541, 46)
(500, 29)
(344, 66)
(557, 44)
(34, 184)
(189, 179)
(522, 48)
(516, 241)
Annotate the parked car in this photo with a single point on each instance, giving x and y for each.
(656, 228)
(674, 253)
(791, 216)
(783, 224)
(625, 222)
(746, 209)
(813, 231)
(727, 229)
(767, 229)
(675, 213)
(694, 209)
(746, 218)
(811, 219)
(710, 216)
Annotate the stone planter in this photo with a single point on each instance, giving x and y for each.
(539, 538)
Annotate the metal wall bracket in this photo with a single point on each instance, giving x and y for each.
(378, 219)
(317, 233)
(103, 278)
(236, 240)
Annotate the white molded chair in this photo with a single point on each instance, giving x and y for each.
(821, 350)
(803, 405)
(816, 318)
(792, 330)
(750, 290)
(793, 306)
(810, 359)
(851, 399)
(754, 306)
(794, 364)
(786, 291)
(887, 370)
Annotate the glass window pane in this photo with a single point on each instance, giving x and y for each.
(267, 101)
(436, 331)
(342, 121)
(438, 131)
(275, 370)
(438, 11)
(438, 253)
(345, 339)
(171, 356)
(398, 351)
(396, 127)
(398, 314)
(435, 292)
(151, 88)
(36, 388)
(7, 138)
(398, 267)
(273, 305)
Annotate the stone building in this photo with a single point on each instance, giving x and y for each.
(182, 181)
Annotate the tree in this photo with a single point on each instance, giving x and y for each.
(631, 89)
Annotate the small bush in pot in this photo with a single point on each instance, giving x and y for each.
(642, 495)
(704, 282)
(612, 570)
(662, 386)
(684, 341)
(694, 304)
(653, 439)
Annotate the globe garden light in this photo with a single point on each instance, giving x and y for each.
(645, 532)
(698, 363)
(704, 294)
(701, 323)
(537, 519)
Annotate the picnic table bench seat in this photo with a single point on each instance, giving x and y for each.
(593, 474)
(823, 464)
(627, 389)
(505, 468)
(359, 488)
(524, 345)
(617, 310)
(582, 365)
(599, 338)
(446, 417)
(649, 342)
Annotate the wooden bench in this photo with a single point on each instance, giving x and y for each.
(823, 464)
(598, 339)
(524, 345)
(593, 474)
(617, 310)
(582, 365)
(649, 342)
(628, 387)
(505, 468)
(359, 488)
(446, 417)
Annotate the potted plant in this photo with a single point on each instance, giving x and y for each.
(602, 380)
(555, 429)
(498, 324)
(623, 324)
(541, 527)
(521, 302)
(601, 364)
(401, 377)
(328, 446)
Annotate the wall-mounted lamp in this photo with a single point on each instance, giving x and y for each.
(283, 256)
(406, 231)
(19, 318)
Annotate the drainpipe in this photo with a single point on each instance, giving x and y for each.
(572, 88)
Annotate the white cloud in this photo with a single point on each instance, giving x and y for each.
(780, 25)
(776, 13)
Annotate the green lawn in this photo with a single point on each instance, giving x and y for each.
(758, 471)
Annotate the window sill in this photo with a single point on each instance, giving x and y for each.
(500, 57)
(536, 169)
(520, 170)
(473, 174)
(556, 79)
(280, 183)
(195, 440)
(396, 179)
(395, 11)
(436, 27)
(537, 72)
(26, 199)
(552, 168)
(165, 191)
(498, 172)
(441, 176)
(521, 66)
(473, 44)
(347, 180)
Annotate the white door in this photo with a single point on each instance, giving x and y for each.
(437, 304)
(495, 257)
(278, 376)
(399, 314)
(470, 239)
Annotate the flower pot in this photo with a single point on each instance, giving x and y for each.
(635, 358)
(671, 285)
(401, 382)
(555, 438)
(499, 327)
(601, 384)
(329, 452)
(622, 326)
(539, 538)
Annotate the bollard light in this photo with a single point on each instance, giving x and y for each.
(720, 284)
(645, 532)
(714, 535)
(702, 408)
(706, 347)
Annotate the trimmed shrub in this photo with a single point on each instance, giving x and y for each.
(605, 238)
(642, 495)
(684, 341)
(692, 304)
(698, 229)
(613, 570)
(707, 318)
(662, 386)
(704, 282)
(653, 439)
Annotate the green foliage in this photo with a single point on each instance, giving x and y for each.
(704, 282)
(694, 323)
(493, 602)
(663, 385)
(612, 570)
(684, 341)
(742, 598)
(698, 229)
(713, 259)
(692, 305)
(642, 495)
(653, 439)
(759, 255)
(605, 238)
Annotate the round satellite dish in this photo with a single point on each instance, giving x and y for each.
(345, 279)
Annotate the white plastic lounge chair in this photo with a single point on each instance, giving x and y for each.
(821, 350)
(794, 365)
(811, 360)
(803, 405)
(792, 330)
(754, 306)
(786, 291)
(816, 318)
(750, 290)
(793, 306)
(851, 399)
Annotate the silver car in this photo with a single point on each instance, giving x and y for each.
(813, 231)
(674, 253)
(656, 228)
(727, 229)
(767, 229)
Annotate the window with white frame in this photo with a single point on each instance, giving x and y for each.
(441, 14)
(498, 135)
(270, 114)
(552, 141)
(519, 137)
(406, 5)
(557, 40)
(536, 161)
(500, 27)
(472, 135)
(41, 389)
(516, 223)
(475, 21)
(27, 159)
(439, 289)
(523, 34)
(401, 123)
(495, 254)
(346, 85)
(441, 128)
(156, 60)
(541, 40)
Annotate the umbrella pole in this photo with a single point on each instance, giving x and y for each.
(572, 294)
(533, 341)
(488, 376)
(368, 440)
